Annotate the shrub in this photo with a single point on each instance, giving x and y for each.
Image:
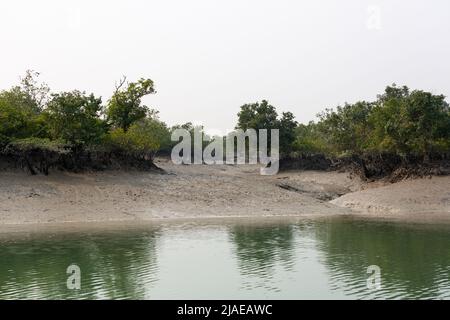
(75, 117)
(44, 145)
(143, 139)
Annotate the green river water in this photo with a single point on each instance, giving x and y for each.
(324, 259)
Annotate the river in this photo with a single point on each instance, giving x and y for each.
(303, 259)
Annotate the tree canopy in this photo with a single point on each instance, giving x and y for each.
(125, 106)
(262, 115)
(400, 121)
(32, 117)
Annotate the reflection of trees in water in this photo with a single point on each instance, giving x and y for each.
(113, 265)
(414, 261)
(259, 249)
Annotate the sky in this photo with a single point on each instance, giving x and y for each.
(209, 57)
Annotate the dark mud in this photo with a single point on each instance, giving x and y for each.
(390, 167)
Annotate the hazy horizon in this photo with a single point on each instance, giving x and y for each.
(207, 58)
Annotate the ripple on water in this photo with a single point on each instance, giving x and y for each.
(322, 259)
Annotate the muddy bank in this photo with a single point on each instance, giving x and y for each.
(409, 198)
(45, 162)
(189, 191)
(306, 162)
(390, 167)
(202, 191)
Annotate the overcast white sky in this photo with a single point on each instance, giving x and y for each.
(209, 57)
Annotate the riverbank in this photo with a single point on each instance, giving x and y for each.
(193, 191)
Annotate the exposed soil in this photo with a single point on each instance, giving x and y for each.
(202, 191)
(372, 167)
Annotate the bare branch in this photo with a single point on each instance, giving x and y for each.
(121, 83)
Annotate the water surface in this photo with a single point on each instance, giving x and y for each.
(325, 259)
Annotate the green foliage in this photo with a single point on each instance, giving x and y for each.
(33, 120)
(125, 106)
(416, 122)
(257, 116)
(347, 128)
(309, 139)
(36, 94)
(399, 121)
(19, 117)
(75, 117)
(43, 144)
(264, 116)
(13, 121)
(186, 126)
(144, 138)
(287, 126)
(20, 107)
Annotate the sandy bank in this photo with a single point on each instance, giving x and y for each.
(199, 191)
(426, 197)
(184, 192)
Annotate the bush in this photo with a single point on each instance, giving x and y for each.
(125, 106)
(44, 145)
(143, 139)
(398, 122)
(71, 130)
(75, 117)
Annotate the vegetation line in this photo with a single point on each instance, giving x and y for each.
(74, 130)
